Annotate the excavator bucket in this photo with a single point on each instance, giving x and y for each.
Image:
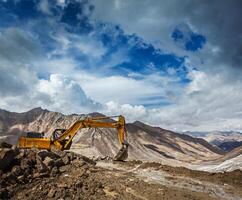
(122, 154)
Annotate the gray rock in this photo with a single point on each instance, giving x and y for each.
(49, 162)
(66, 159)
(41, 166)
(54, 171)
(50, 154)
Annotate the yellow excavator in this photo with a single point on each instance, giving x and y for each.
(61, 139)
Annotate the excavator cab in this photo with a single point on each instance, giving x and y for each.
(34, 140)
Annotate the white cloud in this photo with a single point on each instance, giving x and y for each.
(59, 93)
(61, 2)
(118, 88)
(44, 7)
(132, 113)
(86, 45)
(199, 81)
(17, 50)
(18, 46)
(66, 95)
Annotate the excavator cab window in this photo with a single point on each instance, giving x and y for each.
(57, 133)
(35, 135)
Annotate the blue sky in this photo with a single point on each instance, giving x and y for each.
(84, 56)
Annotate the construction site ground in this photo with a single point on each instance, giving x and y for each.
(41, 175)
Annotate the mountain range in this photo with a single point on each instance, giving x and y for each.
(147, 143)
(225, 140)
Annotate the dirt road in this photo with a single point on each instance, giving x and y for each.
(194, 183)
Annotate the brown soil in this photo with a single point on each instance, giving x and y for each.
(233, 178)
(32, 174)
(97, 183)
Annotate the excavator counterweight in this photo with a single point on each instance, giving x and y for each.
(62, 138)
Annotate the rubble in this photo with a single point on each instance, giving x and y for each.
(21, 166)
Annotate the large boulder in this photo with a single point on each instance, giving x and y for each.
(7, 157)
(43, 154)
(41, 167)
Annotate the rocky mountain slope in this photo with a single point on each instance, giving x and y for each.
(230, 145)
(146, 142)
(225, 140)
(229, 162)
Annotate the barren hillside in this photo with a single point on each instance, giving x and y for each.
(146, 142)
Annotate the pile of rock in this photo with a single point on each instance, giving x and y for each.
(21, 166)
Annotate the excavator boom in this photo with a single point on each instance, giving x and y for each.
(63, 140)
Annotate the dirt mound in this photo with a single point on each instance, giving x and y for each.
(39, 170)
(33, 174)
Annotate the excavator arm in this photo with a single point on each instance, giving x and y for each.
(63, 140)
(70, 133)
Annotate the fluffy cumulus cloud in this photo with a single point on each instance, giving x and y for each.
(172, 64)
(136, 112)
(65, 94)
